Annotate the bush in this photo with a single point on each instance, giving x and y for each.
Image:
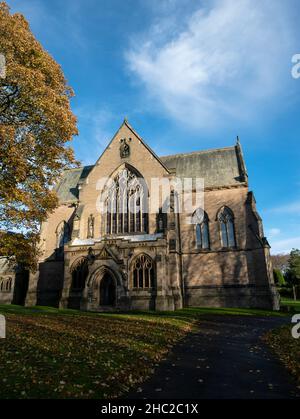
(285, 292)
(279, 278)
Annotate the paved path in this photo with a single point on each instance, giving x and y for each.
(224, 359)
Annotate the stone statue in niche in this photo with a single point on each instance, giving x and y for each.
(161, 224)
(124, 148)
(91, 223)
(160, 221)
(91, 256)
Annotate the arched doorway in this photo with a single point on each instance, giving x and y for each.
(107, 290)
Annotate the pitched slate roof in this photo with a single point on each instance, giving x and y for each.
(67, 188)
(221, 167)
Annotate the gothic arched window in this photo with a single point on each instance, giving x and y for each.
(126, 204)
(8, 284)
(62, 234)
(143, 272)
(202, 232)
(226, 221)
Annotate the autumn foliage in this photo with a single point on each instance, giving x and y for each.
(36, 122)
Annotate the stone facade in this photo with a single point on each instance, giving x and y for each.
(160, 265)
(7, 281)
(13, 282)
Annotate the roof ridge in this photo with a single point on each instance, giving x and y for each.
(77, 168)
(211, 150)
(145, 144)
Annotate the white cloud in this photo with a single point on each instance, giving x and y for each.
(229, 59)
(273, 232)
(292, 208)
(285, 245)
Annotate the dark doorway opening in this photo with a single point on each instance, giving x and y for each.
(21, 287)
(79, 275)
(107, 291)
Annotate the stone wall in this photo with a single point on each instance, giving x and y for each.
(7, 280)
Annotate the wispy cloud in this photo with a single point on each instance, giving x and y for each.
(62, 23)
(291, 208)
(229, 59)
(96, 127)
(273, 232)
(285, 245)
(284, 239)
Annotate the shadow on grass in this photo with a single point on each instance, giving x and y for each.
(186, 315)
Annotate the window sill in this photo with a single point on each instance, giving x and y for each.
(116, 235)
(203, 250)
(142, 289)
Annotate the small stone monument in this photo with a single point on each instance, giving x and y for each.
(2, 327)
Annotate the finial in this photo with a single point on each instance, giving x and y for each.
(125, 119)
(238, 140)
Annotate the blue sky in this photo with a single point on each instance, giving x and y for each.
(189, 75)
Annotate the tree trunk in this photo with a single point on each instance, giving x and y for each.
(294, 292)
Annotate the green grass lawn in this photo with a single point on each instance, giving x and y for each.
(50, 353)
(295, 305)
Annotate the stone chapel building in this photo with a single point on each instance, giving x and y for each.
(118, 260)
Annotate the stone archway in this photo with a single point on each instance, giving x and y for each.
(104, 289)
(107, 296)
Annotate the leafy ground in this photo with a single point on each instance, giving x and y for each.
(50, 353)
(283, 344)
(286, 348)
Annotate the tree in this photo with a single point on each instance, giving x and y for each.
(36, 122)
(280, 261)
(279, 278)
(293, 274)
